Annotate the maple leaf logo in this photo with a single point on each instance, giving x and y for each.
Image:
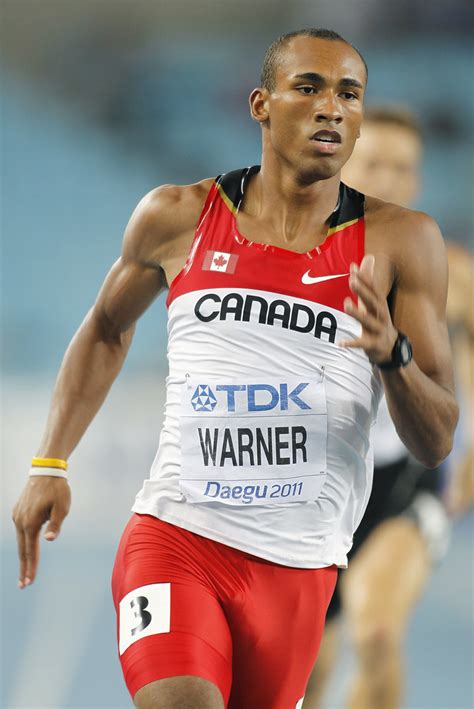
(220, 261)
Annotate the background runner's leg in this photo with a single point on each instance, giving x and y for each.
(379, 591)
(322, 671)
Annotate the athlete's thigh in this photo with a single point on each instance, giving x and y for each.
(276, 632)
(169, 621)
(179, 693)
(384, 580)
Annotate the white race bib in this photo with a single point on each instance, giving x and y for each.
(248, 442)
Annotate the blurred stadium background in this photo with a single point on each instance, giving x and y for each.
(101, 101)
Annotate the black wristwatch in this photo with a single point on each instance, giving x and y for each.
(402, 353)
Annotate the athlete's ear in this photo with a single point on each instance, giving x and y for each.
(258, 101)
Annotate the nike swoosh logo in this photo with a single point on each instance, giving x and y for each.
(307, 280)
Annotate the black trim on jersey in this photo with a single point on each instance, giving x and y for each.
(350, 205)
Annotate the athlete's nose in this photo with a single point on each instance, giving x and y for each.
(328, 116)
(327, 109)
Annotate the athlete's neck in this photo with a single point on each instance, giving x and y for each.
(288, 207)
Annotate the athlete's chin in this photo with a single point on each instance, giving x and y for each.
(320, 169)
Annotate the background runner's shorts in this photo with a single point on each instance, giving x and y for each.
(187, 605)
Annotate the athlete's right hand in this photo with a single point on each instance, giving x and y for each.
(44, 498)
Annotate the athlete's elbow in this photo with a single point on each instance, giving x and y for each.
(433, 460)
(432, 455)
(439, 450)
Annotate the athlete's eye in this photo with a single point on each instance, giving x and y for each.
(307, 90)
(349, 95)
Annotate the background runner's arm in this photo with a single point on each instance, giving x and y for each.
(420, 396)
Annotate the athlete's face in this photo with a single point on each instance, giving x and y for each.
(311, 120)
(386, 163)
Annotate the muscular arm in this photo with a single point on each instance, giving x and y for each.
(156, 236)
(98, 349)
(420, 396)
(156, 243)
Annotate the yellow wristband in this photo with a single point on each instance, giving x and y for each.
(49, 463)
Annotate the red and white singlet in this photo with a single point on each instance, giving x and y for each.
(265, 445)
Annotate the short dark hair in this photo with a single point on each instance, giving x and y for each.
(274, 52)
(394, 115)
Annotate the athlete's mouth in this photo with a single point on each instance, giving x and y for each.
(327, 136)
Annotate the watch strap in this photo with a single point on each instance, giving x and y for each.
(402, 354)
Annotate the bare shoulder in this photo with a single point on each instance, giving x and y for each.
(175, 207)
(411, 240)
(392, 218)
(162, 219)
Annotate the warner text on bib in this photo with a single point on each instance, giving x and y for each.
(253, 442)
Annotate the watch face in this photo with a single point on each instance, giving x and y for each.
(401, 354)
(405, 351)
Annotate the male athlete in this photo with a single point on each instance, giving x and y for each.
(280, 337)
(405, 526)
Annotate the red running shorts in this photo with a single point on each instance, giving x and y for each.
(187, 605)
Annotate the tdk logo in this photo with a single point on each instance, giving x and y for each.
(203, 398)
(250, 397)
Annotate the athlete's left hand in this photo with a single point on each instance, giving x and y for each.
(378, 333)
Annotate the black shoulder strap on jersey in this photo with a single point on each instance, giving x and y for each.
(350, 208)
(233, 184)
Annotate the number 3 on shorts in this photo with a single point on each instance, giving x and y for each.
(144, 611)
